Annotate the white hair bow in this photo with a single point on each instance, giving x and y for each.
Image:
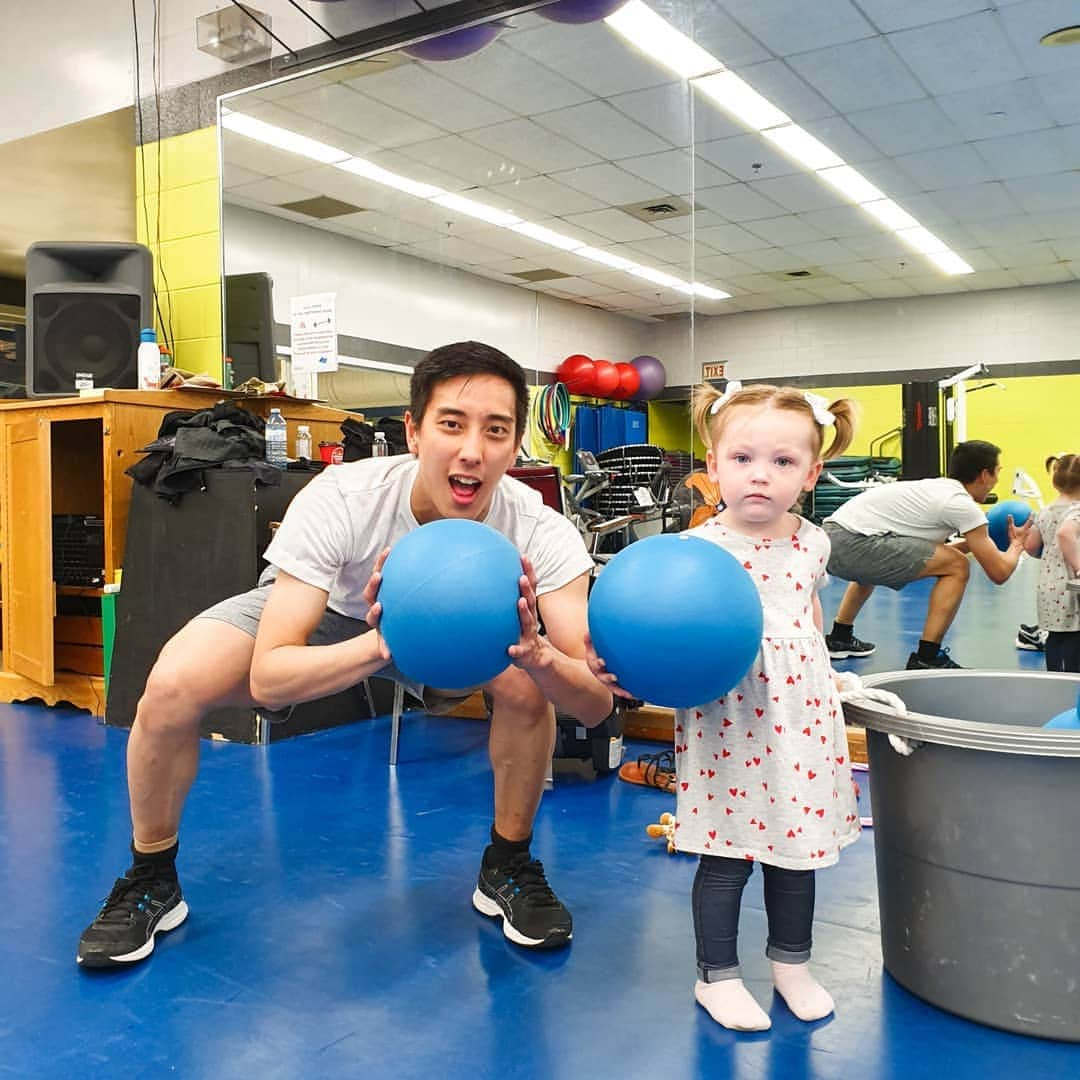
(732, 388)
(820, 408)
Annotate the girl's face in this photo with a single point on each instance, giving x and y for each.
(761, 462)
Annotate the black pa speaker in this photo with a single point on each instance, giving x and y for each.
(920, 454)
(85, 306)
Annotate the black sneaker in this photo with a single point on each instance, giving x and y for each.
(141, 903)
(519, 893)
(842, 648)
(1031, 639)
(941, 661)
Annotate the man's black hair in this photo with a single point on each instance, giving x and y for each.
(970, 458)
(467, 358)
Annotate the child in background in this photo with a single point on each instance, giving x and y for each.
(763, 773)
(1057, 533)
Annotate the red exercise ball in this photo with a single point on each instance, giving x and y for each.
(629, 382)
(605, 378)
(577, 372)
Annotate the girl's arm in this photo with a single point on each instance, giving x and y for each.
(1068, 538)
(819, 617)
(1033, 542)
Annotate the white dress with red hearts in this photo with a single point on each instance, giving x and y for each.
(764, 773)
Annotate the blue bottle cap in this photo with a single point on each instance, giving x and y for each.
(147, 334)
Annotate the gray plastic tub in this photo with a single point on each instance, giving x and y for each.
(977, 842)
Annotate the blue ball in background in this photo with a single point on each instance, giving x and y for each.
(449, 594)
(677, 619)
(998, 519)
(1069, 720)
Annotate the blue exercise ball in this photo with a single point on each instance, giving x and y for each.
(456, 44)
(998, 519)
(449, 594)
(677, 619)
(579, 11)
(1069, 720)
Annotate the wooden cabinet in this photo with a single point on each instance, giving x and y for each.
(68, 456)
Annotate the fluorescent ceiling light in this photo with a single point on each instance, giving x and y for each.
(547, 236)
(851, 184)
(657, 276)
(922, 240)
(741, 100)
(889, 214)
(370, 171)
(709, 293)
(606, 257)
(659, 40)
(802, 147)
(263, 132)
(476, 209)
(950, 262)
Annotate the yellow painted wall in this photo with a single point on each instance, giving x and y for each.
(187, 261)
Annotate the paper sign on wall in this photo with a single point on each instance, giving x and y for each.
(313, 324)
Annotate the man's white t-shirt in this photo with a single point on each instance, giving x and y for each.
(932, 509)
(338, 524)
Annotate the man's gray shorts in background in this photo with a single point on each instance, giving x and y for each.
(888, 559)
(244, 611)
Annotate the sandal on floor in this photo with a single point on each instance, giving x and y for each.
(651, 770)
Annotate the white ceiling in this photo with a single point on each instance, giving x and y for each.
(951, 107)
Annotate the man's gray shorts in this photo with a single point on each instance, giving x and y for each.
(244, 611)
(889, 559)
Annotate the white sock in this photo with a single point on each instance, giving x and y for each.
(805, 996)
(730, 1004)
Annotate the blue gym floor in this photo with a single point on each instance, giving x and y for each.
(331, 931)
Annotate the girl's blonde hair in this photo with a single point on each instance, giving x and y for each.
(1064, 470)
(710, 425)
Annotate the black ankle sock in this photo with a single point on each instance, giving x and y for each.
(928, 650)
(161, 861)
(842, 630)
(502, 850)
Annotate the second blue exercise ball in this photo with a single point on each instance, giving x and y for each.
(449, 594)
(677, 619)
(998, 519)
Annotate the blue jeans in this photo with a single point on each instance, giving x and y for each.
(717, 898)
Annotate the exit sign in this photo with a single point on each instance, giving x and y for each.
(712, 371)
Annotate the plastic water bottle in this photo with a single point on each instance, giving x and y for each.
(303, 443)
(148, 360)
(380, 447)
(277, 436)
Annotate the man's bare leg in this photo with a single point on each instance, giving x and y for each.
(952, 571)
(855, 595)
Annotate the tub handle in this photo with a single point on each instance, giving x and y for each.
(852, 690)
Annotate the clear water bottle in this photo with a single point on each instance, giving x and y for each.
(277, 436)
(380, 447)
(303, 443)
(148, 360)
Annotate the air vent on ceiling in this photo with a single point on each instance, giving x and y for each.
(671, 316)
(788, 276)
(540, 275)
(321, 206)
(662, 209)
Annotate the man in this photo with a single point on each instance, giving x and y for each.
(894, 534)
(305, 635)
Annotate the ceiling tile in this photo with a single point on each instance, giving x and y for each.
(358, 114)
(787, 91)
(274, 192)
(887, 290)
(515, 80)
(1060, 93)
(1043, 275)
(233, 175)
(614, 224)
(591, 56)
(527, 142)
(889, 15)
(856, 272)
(907, 127)
(836, 293)
(610, 183)
(547, 195)
(603, 130)
(823, 251)
(737, 202)
(882, 245)
(1032, 153)
(840, 221)
(1012, 257)
(671, 171)
(306, 125)
(947, 166)
(739, 155)
(718, 33)
(977, 201)
(385, 228)
(769, 260)
(841, 138)
(668, 249)
(959, 54)
(665, 110)
(1051, 192)
(1067, 247)
(779, 231)
(798, 193)
(470, 163)
(1021, 229)
(824, 22)
(861, 75)
(729, 239)
(721, 266)
(993, 279)
(997, 110)
(417, 90)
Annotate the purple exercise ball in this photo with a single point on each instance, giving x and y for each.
(653, 377)
(579, 11)
(456, 44)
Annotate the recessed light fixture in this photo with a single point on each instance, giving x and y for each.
(1067, 35)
